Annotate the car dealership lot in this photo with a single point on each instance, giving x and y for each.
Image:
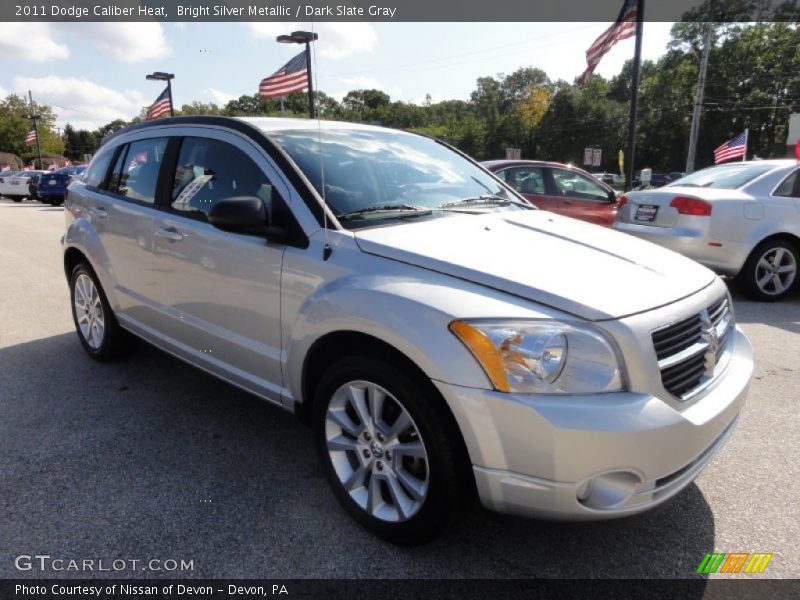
(151, 459)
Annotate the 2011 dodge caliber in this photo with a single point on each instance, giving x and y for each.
(442, 337)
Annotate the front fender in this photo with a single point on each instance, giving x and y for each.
(397, 310)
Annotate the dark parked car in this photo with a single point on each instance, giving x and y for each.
(559, 188)
(53, 186)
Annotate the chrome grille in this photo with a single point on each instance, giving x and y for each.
(692, 351)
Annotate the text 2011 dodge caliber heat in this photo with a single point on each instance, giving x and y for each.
(442, 337)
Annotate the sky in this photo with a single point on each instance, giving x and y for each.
(93, 73)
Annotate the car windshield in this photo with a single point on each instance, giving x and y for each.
(374, 175)
(724, 177)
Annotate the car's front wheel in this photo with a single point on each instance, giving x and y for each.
(770, 272)
(100, 334)
(392, 463)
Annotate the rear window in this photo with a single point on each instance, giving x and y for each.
(96, 173)
(724, 177)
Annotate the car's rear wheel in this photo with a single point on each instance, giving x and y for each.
(386, 454)
(771, 271)
(98, 329)
(17, 198)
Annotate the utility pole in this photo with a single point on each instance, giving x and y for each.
(698, 101)
(35, 119)
(637, 60)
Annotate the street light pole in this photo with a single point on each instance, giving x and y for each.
(304, 37)
(311, 111)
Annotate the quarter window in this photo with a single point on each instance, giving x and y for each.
(96, 173)
(788, 187)
(209, 171)
(136, 171)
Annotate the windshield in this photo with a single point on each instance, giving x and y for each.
(724, 177)
(366, 172)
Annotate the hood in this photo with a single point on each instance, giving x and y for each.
(583, 269)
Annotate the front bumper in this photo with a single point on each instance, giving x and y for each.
(594, 457)
(692, 242)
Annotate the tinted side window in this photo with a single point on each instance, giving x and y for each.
(136, 170)
(787, 187)
(209, 171)
(526, 180)
(576, 185)
(96, 173)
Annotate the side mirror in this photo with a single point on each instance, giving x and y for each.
(613, 195)
(242, 214)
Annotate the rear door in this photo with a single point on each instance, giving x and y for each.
(218, 291)
(583, 197)
(122, 210)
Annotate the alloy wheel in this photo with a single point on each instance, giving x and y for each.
(376, 451)
(776, 271)
(89, 311)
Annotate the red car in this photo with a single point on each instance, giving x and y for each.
(561, 189)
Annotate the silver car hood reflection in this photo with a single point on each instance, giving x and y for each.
(588, 271)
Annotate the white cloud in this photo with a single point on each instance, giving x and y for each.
(219, 97)
(82, 102)
(40, 42)
(127, 42)
(30, 41)
(336, 40)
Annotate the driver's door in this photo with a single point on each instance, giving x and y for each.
(584, 197)
(218, 291)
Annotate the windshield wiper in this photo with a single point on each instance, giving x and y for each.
(391, 208)
(485, 199)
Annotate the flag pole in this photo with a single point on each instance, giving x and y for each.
(637, 59)
(310, 81)
(35, 118)
(746, 141)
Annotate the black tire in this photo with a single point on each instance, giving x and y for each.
(115, 342)
(449, 491)
(16, 198)
(753, 271)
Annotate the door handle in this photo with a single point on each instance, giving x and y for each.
(170, 233)
(98, 211)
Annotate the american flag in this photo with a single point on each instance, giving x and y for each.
(735, 148)
(623, 28)
(31, 137)
(162, 106)
(291, 77)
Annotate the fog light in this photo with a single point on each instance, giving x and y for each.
(608, 490)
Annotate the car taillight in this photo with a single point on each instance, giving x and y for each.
(691, 206)
(623, 200)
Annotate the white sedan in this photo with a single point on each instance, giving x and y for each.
(739, 219)
(17, 186)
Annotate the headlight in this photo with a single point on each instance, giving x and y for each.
(544, 357)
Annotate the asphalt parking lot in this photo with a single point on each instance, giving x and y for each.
(149, 458)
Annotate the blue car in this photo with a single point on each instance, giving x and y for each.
(52, 186)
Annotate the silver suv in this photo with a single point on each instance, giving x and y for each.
(443, 338)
